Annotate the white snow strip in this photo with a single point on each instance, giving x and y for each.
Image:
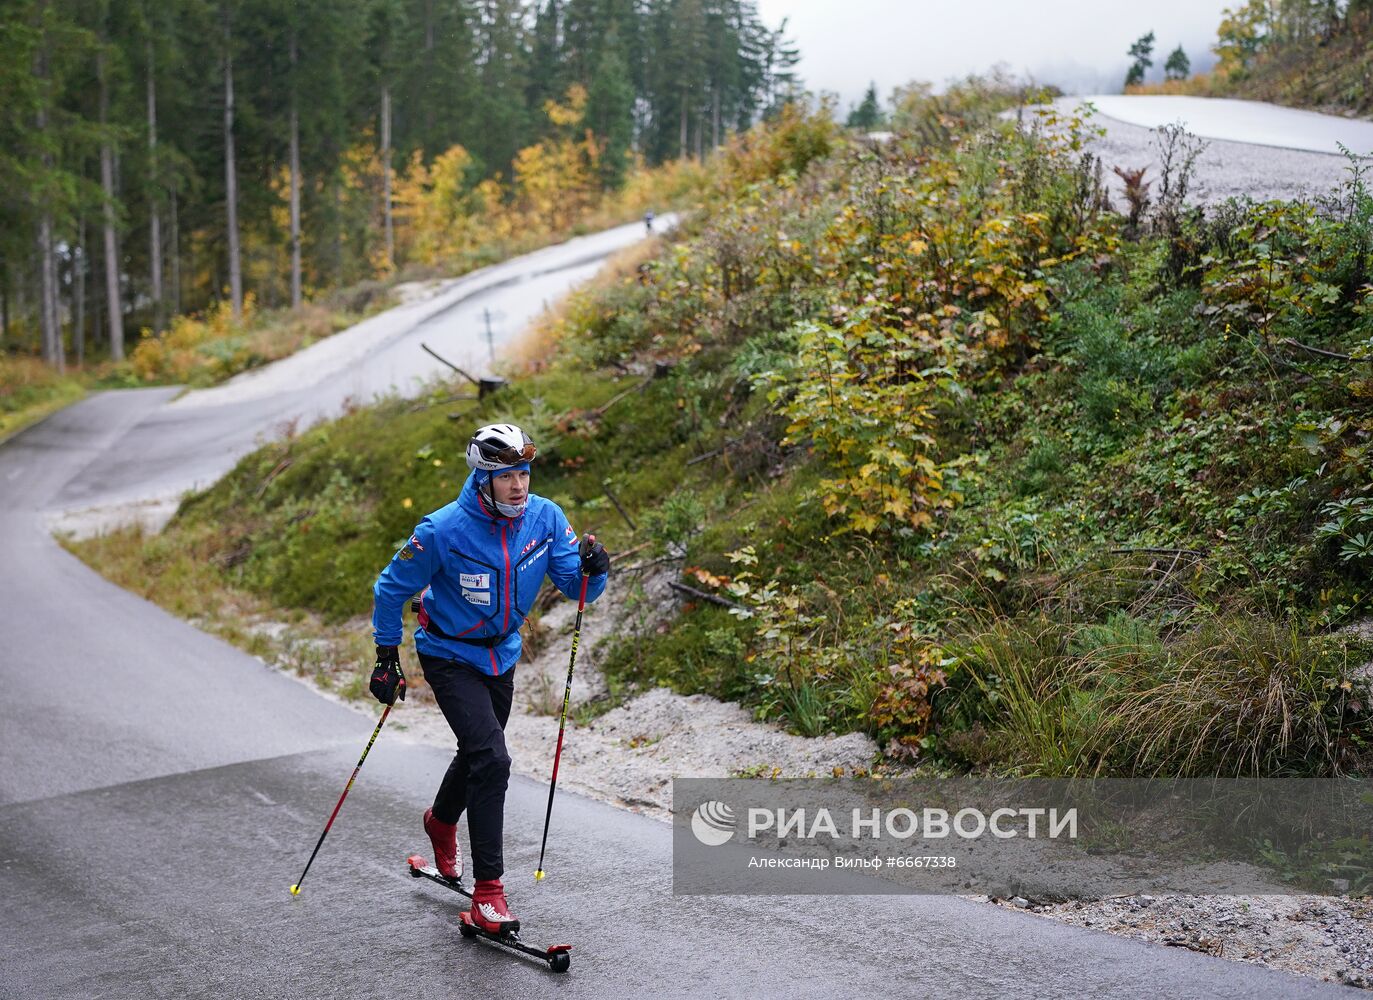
(1253, 122)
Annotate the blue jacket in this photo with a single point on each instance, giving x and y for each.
(479, 574)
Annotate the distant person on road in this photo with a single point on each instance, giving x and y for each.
(648, 221)
(479, 563)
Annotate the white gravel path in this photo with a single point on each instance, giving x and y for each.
(1254, 123)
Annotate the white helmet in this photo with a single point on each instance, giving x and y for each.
(499, 446)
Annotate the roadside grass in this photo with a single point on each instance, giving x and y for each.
(538, 346)
(1232, 694)
(203, 350)
(30, 390)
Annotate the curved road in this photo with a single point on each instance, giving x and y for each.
(160, 790)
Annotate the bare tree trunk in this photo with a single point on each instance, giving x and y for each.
(386, 175)
(47, 267)
(295, 183)
(231, 175)
(113, 300)
(97, 306)
(79, 293)
(176, 257)
(682, 135)
(154, 218)
(428, 69)
(336, 194)
(715, 117)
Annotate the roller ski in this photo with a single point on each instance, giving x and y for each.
(489, 918)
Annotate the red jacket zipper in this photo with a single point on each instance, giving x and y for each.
(505, 624)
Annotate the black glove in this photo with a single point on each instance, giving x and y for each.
(595, 559)
(387, 680)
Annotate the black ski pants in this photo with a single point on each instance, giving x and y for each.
(477, 707)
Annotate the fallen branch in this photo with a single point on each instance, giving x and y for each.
(281, 467)
(439, 357)
(712, 598)
(484, 385)
(702, 458)
(605, 485)
(1321, 353)
(630, 551)
(600, 410)
(1159, 552)
(651, 562)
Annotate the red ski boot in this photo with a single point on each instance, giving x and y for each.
(444, 837)
(489, 911)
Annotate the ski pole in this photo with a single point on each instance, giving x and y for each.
(562, 721)
(295, 889)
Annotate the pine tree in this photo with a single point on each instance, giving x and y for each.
(1178, 66)
(547, 74)
(502, 62)
(610, 112)
(1141, 52)
(868, 114)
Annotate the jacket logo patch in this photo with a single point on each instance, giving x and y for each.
(476, 597)
(481, 581)
(405, 553)
(534, 558)
(415, 543)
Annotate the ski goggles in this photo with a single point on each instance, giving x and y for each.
(509, 456)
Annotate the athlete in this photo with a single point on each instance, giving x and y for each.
(478, 564)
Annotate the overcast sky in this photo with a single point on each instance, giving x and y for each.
(1079, 45)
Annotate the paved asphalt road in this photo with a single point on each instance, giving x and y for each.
(159, 791)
